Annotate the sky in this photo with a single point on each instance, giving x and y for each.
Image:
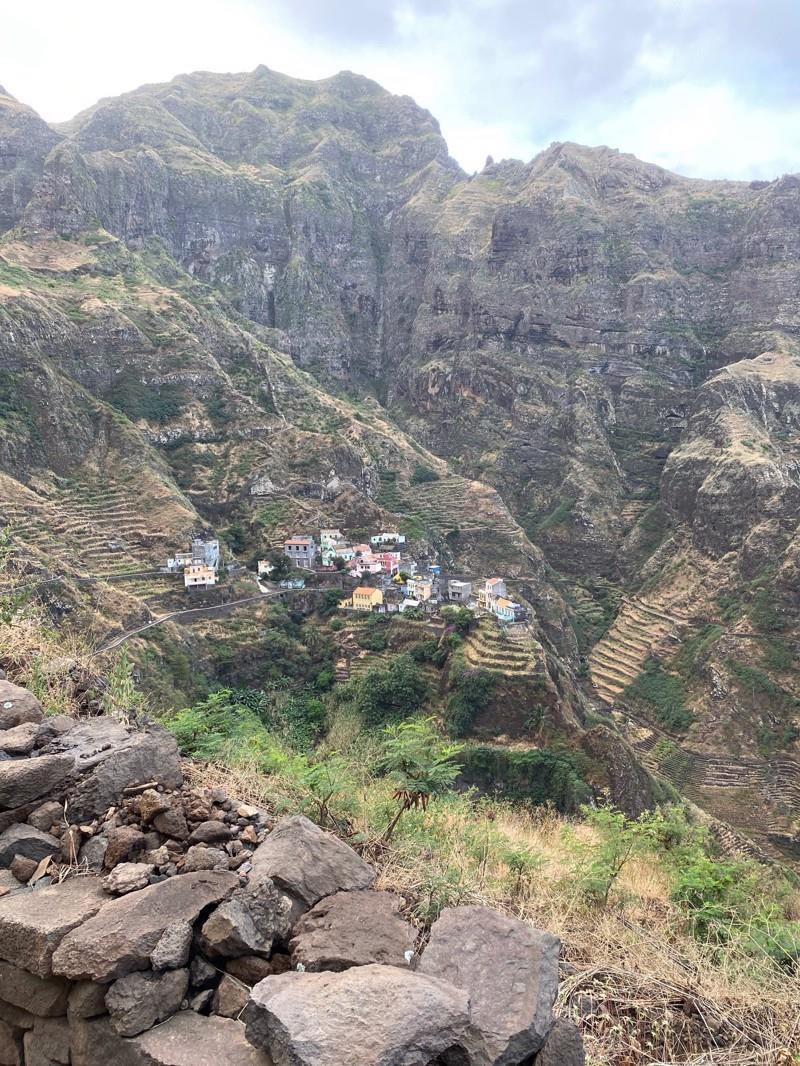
(707, 88)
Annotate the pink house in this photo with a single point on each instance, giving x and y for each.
(390, 561)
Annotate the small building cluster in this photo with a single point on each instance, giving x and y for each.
(380, 556)
(200, 565)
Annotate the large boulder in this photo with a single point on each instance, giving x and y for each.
(370, 1015)
(112, 757)
(139, 1000)
(563, 1046)
(33, 924)
(24, 780)
(122, 936)
(248, 923)
(21, 839)
(309, 863)
(17, 705)
(353, 929)
(189, 1039)
(508, 968)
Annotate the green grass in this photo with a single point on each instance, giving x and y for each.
(664, 694)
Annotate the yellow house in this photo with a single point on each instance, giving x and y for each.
(365, 598)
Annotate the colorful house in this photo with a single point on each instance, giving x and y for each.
(329, 537)
(363, 599)
(389, 561)
(337, 549)
(420, 588)
(493, 589)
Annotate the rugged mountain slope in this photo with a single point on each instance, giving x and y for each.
(574, 345)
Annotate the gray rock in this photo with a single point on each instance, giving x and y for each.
(248, 923)
(138, 757)
(210, 832)
(33, 924)
(25, 840)
(202, 973)
(189, 1039)
(25, 780)
(48, 1041)
(230, 997)
(20, 739)
(353, 929)
(139, 1000)
(124, 841)
(128, 877)
(93, 853)
(370, 1015)
(172, 949)
(48, 814)
(563, 1046)
(86, 1000)
(172, 822)
(44, 997)
(11, 1049)
(17, 705)
(199, 857)
(508, 968)
(121, 938)
(201, 1001)
(309, 863)
(152, 803)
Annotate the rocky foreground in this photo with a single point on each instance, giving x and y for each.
(145, 921)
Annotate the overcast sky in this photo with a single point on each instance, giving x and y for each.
(705, 87)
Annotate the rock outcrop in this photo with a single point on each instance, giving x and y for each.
(281, 955)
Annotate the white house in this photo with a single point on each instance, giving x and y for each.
(199, 575)
(387, 538)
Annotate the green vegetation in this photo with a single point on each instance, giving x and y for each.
(419, 764)
(559, 516)
(662, 692)
(142, 402)
(694, 650)
(385, 693)
(536, 777)
(471, 692)
(422, 474)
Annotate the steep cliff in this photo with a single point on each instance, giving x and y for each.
(251, 301)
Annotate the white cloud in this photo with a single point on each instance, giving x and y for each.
(701, 86)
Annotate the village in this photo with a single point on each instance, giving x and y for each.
(390, 579)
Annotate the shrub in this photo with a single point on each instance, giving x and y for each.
(421, 474)
(664, 693)
(471, 693)
(384, 693)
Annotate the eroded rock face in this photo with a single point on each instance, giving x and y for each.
(563, 1046)
(353, 929)
(372, 1015)
(122, 937)
(309, 863)
(508, 969)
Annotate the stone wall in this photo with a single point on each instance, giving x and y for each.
(144, 922)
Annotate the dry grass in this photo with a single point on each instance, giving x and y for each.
(642, 990)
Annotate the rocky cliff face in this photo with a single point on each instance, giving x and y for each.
(597, 357)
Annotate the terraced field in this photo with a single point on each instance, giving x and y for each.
(488, 647)
(618, 658)
(455, 502)
(91, 528)
(741, 795)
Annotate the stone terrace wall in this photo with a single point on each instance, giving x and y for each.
(147, 923)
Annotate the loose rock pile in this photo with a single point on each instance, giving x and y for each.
(147, 923)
